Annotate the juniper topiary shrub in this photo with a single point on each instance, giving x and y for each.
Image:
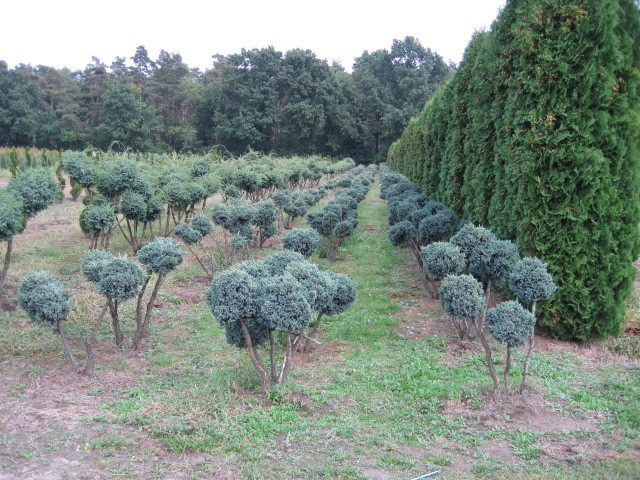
(531, 283)
(115, 177)
(277, 263)
(201, 224)
(201, 167)
(499, 259)
(473, 242)
(92, 264)
(461, 297)
(294, 208)
(511, 325)
(436, 227)
(45, 300)
(161, 257)
(187, 234)
(256, 299)
(264, 219)
(405, 232)
(98, 221)
(304, 241)
(119, 279)
(82, 171)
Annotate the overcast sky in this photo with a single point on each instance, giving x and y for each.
(69, 32)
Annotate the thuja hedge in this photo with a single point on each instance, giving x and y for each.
(536, 136)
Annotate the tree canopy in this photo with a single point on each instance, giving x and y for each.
(263, 99)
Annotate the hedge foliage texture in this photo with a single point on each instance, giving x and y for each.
(536, 136)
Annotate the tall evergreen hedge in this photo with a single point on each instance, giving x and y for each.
(537, 137)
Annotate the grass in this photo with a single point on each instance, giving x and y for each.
(367, 402)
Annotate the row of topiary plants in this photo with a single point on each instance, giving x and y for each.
(470, 263)
(339, 217)
(120, 279)
(143, 201)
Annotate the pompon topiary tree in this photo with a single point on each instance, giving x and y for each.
(234, 299)
(462, 299)
(12, 221)
(82, 171)
(36, 188)
(498, 260)
(511, 325)
(277, 263)
(45, 300)
(256, 299)
(437, 227)
(119, 280)
(531, 283)
(339, 295)
(280, 198)
(304, 241)
(31, 191)
(284, 308)
(161, 256)
(462, 296)
(235, 221)
(99, 222)
(92, 264)
(294, 208)
(133, 207)
(265, 216)
(494, 261)
(324, 222)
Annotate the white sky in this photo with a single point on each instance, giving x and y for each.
(69, 32)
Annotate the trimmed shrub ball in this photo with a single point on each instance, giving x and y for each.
(530, 280)
(11, 216)
(304, 241)
(442, 259)
(133, 206)
(93, 263)
(36, 188)
(437, 227)
(43, 298)
(402, 232)
(284, 306)
(97, 219)
(473, 241)
(500, 258)
(120, 279)
(233, 295)
(187, 234)
(343, 292)
(161, 256)
(510, 323)
(277, 263)
(461, 296)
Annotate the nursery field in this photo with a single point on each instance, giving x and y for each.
(389, 393)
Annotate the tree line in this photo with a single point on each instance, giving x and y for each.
(263, 99)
